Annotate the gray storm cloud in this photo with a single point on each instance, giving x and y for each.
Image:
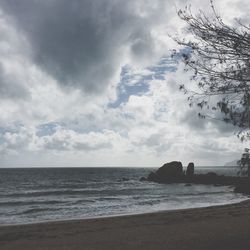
(83, 43)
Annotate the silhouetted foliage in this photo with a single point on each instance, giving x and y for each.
(244, 163)
(219, 57)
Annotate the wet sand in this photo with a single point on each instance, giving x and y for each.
(221, 227)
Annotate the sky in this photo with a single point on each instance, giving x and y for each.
(90, 83)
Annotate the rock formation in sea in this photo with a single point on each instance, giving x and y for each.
(169, 171)
(190, 169)
(172, 172)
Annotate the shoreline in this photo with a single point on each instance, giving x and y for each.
(213, 227)
(122, 215)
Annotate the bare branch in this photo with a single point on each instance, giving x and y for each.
(219, 57)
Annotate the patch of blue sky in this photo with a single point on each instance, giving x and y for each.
(83, 128)
(4, 130)
(46, 129)
(1, 138)
(126, 92)
(76, 125)
(14, 128)
(133, 82)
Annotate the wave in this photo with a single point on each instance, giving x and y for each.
(150, 202)
(203, 193)
(109, 198)
(51, 193)
(25, 203)
(37, 210)
(89, 191)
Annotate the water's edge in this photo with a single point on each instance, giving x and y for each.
(80, 219)
(35, 195)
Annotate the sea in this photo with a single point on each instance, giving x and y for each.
(29, 195)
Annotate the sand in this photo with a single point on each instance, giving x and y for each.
(221, 227)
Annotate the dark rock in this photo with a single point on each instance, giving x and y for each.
(169, 172)
(173, 173)
(211, 175)
(188, 184)
(143, 179)
(190, 169)
(152, 176)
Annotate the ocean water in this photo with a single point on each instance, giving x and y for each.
(41, 194)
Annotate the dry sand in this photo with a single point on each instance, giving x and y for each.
(221, 227)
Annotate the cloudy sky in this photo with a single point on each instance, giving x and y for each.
(92, 83)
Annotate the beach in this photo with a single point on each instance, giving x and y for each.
(218, 227)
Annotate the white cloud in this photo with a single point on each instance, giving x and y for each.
(69, 140)
(53, 74)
